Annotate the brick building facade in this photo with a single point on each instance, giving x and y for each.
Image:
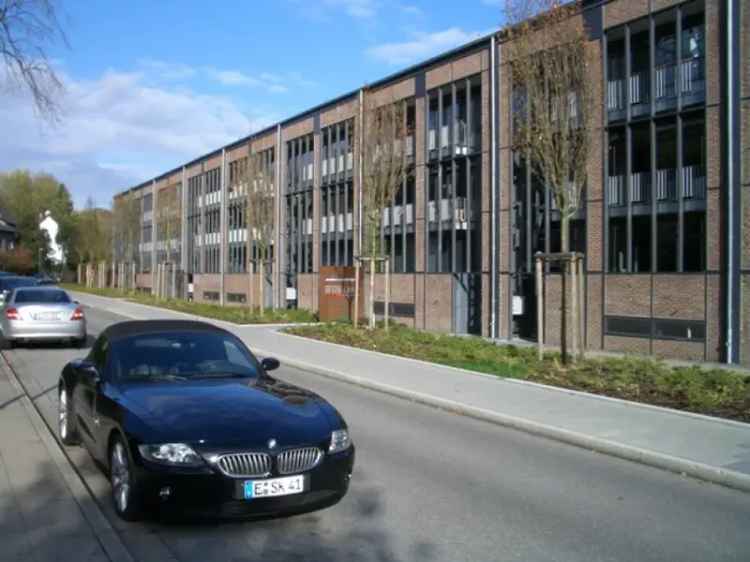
(665, 227)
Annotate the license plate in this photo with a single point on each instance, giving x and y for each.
(47, 316)
(274, 487)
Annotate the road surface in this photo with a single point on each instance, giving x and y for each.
(432, 485)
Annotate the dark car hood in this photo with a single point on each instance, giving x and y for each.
(212, 414)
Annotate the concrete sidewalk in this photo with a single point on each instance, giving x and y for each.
(43, 516)
(709, 448)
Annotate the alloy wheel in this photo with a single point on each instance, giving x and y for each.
(62, 414)
(120, 474)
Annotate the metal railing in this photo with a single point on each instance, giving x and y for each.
(639, 88)
(692, 76)
(693, 182)
(666, 81)
(616, 95)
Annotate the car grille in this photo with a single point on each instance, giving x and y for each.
(245, 464)
(298, 460)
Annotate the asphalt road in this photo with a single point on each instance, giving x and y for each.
(431, 485)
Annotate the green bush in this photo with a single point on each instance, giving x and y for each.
(709, 391)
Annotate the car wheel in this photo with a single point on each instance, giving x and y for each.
(11, 344)
(80, 343)
(122, 478)
(66, 421)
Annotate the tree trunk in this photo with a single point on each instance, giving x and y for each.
(260, 286)
(355, 314)
(371, 303)
(174, 281)
(564, 247)
(540, 308)
(387, 291)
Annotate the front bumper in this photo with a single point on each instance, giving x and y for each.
(216, 495)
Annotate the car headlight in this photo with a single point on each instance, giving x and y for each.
(340, 441)
(176, 454)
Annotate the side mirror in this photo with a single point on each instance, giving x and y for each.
(90, 371)
(270, 363)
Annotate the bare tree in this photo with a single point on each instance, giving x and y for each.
(384, 168)
(168, 224)
(27, 29)
(126, 222)
(554, 92)
(258, 183)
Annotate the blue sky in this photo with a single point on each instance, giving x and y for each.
(150, 85)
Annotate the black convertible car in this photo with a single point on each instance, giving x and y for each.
(184, 416)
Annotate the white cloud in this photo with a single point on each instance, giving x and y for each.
(117, 130)
(168, 71)
(421, 46)
(362, 9)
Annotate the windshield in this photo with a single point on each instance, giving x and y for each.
(181, 356)
(41, 297)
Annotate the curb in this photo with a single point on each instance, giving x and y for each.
(496, 378)
(272, 325)
(103, 531)
(708, 473)
(685, 467)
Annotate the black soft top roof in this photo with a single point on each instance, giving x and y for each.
(132, 328)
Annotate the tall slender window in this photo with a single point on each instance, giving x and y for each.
(694, 192)
(298, 203)
(453, 177)
(336, 194)
(617, 199)
(666, 196)
(656, 178)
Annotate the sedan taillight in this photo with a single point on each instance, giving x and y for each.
(77, 314)
(12, 314)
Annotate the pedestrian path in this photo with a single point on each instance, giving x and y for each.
(40, 520)
(710, 448)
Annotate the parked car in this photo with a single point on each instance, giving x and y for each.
(186, 418)
(8, 283)
(39, 313)
(44, 279)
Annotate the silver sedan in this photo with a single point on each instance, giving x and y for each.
(42, 313)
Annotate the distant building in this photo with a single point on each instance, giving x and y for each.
(8, 231)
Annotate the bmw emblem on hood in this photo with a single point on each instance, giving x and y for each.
(272, 443)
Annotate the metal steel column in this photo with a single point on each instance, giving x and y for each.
(439, 190)
(336, 188)
(469, 209)
(154, 234)
(279, 295)
(628, 159)
(358, 250)
(454, 173)
(223, 230)
(494, 227)
(732, 179)
(202, 215)
(184, 229)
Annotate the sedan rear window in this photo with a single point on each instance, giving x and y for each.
(10, 283)
(41, 297)
(181, 356)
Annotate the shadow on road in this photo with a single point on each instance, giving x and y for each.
(353, 530)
